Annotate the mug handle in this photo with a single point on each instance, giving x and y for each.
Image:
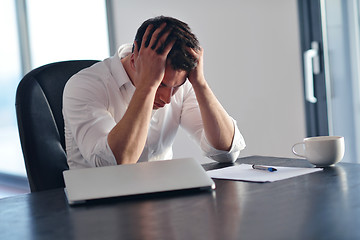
(293, 149)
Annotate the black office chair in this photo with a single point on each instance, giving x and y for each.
(41, 124)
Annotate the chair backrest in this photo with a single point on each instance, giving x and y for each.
(41, 124)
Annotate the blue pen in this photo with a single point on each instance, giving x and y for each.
(270, 169)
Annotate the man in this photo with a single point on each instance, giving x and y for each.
(128, 108)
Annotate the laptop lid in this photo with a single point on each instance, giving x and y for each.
(134, 179)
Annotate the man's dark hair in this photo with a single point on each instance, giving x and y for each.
(179, 57)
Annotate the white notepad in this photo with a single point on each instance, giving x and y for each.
(134, 179)
(245, 172)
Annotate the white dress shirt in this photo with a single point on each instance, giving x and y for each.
(96, 98)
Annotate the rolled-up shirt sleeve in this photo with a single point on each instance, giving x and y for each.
(237, 145)
(87, 118)
(191, 121)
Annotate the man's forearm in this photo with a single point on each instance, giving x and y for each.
(127, 139)
(218, 126)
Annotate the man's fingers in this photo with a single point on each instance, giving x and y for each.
(158, 41)
(154, 38)
(145, 36)
(168, 47)
(195, 53)
(192, 51)
(160, 45)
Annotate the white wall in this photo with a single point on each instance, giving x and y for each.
(252, 63)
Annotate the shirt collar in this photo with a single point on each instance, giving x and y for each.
(117, 68)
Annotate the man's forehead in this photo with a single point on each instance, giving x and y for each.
(174, 78)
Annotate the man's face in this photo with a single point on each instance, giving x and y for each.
(171, 82)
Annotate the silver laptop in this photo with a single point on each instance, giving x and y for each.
(135, 179)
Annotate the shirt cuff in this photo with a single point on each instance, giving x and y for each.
(237, 145)
(103, 156)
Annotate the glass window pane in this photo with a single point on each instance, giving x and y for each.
(67, 29)
(10, 74)
(343, 38)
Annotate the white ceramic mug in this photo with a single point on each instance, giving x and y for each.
(322, 151)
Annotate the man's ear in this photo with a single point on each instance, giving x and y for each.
(132, 61)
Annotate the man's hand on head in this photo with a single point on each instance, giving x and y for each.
(150, 60)
(196, 76)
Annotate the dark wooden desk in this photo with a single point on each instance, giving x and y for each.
(321, 205)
